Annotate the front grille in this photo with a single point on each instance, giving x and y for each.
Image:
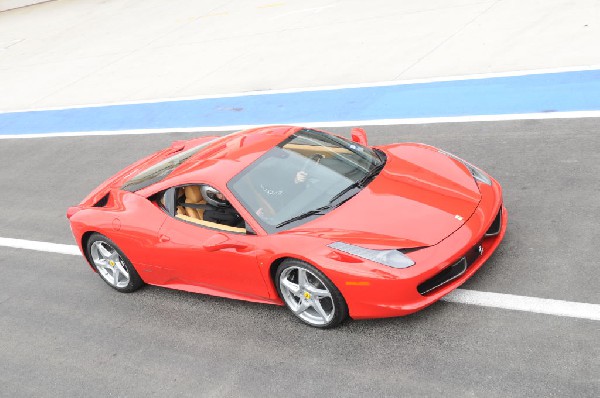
(473, 254)
(452, 272)
(495, 227)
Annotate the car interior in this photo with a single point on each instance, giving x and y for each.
(338, 159)
(191, 194)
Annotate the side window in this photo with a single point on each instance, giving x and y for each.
(204, 205)
(164, 200)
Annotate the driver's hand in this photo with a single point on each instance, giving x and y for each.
(263, 215)
(300, 177)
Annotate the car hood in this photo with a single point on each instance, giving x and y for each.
(420, 197)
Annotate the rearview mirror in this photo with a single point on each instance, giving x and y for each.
(359, 136)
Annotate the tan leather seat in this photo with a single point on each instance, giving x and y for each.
(211, 224)
(193, 195)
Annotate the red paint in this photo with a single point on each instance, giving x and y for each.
(413, 202)
(359, 135)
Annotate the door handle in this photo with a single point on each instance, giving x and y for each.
(164, 238)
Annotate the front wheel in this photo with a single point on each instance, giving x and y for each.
(310, 295)
(112, 265)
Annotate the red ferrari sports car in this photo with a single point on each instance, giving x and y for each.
(329, 227)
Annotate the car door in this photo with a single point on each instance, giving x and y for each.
(212, 257)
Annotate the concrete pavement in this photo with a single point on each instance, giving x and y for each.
(69, 52)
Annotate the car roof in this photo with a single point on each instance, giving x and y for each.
(223, 158)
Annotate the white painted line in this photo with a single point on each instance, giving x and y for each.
(458, 119)
(523, 303)
(324, 88)
(132, 132)
(345, 123)
(40, 246)
(461, 296)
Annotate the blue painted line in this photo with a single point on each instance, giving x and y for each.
(551, 92)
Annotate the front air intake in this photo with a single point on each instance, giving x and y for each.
(494, 229)
(452, 272)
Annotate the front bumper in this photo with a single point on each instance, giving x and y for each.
(397, 293)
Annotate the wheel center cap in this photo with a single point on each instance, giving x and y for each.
(307, 295)
(112, 263)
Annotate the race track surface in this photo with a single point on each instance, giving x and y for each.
(65, 333)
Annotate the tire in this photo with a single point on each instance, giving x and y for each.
(310, 295)
(111, 264)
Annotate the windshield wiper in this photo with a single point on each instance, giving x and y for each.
(304, 215)
(360, 183)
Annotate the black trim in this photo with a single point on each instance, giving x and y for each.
(448, 274)
(103, 201)
(496, 226)
(451, 272)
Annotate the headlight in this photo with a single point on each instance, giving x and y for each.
(391, 258)
(475, 172)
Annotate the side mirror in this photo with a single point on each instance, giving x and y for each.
(359, 136)
(177, 146)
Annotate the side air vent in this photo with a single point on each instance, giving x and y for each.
(103, 201)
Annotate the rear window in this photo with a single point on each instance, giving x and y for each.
(160, 170)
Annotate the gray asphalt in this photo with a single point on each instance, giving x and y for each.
(65, 333)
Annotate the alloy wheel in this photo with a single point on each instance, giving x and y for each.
(109, 264)
(307, 296)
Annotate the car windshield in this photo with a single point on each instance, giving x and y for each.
(160, 170)
(305, 176)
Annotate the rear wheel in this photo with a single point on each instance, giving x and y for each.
(310, 295)
(112, 265)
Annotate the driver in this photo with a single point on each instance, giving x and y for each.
(284, 193)
(287, 187)
(220, 210)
